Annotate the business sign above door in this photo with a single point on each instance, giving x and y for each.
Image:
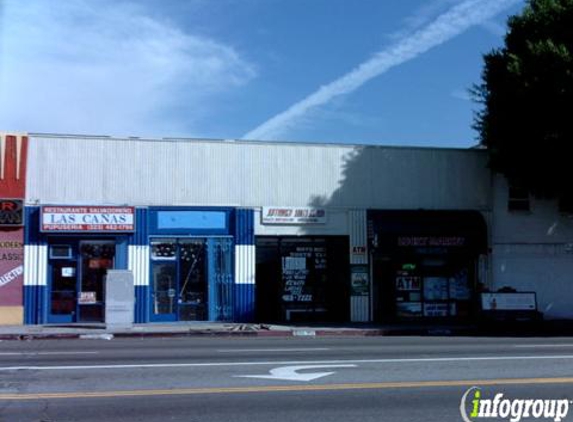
(11, 213)
(88, 219)
(293, 215)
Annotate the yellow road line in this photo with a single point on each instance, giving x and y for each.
(282, 388)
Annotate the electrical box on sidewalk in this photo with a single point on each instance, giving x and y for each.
(119, 299)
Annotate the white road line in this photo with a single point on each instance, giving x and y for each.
(531, 346)
(45, 353)
(279, 363)
(315, 349)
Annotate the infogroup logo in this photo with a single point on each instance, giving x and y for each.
(513, 409)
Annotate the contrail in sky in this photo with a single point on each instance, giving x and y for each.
(445, 27)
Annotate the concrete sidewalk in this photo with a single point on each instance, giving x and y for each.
(188, 329)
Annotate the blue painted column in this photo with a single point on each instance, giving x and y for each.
(244, 265)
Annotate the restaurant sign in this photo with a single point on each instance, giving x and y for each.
(88, 219)
(293, 215)
(11, 213)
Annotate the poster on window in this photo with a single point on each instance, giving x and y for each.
(295, 276)
(359, 281)
(436, 309)
(459, 287)
(435, 288)
(408, 309)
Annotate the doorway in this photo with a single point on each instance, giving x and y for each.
(77, 280)
(192, 279)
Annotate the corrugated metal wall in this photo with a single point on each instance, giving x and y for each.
(190, 172)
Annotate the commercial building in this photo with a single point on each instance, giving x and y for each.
(271, 231)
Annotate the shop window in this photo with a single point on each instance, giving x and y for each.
(518, 198)
(302, 279)
(163, 250)
(60, 252)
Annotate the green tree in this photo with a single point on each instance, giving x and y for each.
(526, 90)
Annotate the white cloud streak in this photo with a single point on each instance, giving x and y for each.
(445, 27)
(107, 67)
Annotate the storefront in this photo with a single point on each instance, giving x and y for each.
(426, 264)
(191, 266)
(80, 245)
(188, 263)
(302, 279)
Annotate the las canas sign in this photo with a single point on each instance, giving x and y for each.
(88, 219)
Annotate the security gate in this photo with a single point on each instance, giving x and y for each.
(192, 279)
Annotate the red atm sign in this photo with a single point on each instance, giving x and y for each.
(88, 219)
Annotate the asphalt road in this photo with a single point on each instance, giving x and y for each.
(283, 379)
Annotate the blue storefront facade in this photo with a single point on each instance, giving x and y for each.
(188, 263)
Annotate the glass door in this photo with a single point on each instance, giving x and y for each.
(96, 257)
(192, 279)
(164, 280)
(62, 304)
(77, 280)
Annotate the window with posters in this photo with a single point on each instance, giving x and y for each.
(427, 289)
(302, 278)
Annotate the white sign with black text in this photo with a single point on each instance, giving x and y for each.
(293, 215)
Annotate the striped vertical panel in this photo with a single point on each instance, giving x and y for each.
(35, 269)
(139, 266)
(359, 311)
(138, 263)
(244, 265)
(358, 237)
(359, 305)
(35, 283)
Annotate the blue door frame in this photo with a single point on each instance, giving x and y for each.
(219, 281)
(73, 261)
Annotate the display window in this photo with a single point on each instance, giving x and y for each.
(302, 278)
(191, 279)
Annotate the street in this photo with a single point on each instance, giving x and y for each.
(280, 379)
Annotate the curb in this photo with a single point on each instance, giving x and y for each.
(239, 334)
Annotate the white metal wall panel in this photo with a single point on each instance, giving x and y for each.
(359, 310)
(30, 265)
(138, 263)
(244, 264)
(35, 265)
(68, 170)
(358, 237)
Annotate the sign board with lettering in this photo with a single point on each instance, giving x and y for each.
(293, 215)
(88, 219)
(519, 301)
(11, 213)
(11, 267)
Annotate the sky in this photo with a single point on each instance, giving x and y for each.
(390, 72)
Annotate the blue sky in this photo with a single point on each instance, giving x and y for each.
(364, 71)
